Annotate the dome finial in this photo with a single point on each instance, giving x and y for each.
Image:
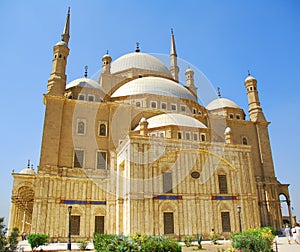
(249, 72)
(28, 163)
(137, 49)
(86, 71)
(106, 51)
(219, 92)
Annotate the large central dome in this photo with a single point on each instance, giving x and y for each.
(141, 61)
(154, 85)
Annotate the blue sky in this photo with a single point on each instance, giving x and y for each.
(221, 38)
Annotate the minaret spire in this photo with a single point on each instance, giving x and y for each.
(58, 77)
(173, 47)
(173, 58)
(65, 36)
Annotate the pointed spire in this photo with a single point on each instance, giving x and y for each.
(137, 49)
(174, 69)
(66, 33)
(219, 92)
(173, 47)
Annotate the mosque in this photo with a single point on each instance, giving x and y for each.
(134, 151)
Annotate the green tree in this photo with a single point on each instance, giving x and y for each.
(13, 239)
(3, 242)
(36, 240)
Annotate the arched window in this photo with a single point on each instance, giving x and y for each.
(222, 184)
(203, 137)
(168, 223)
(245, 141)
(102, 129)
(167, 182)
(153, 104)
(80, 127)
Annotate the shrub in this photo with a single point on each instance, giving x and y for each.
(136, 242)
(36, 240)
(188, 240)
(83, 244)
(254, 240)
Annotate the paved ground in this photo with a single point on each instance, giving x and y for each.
(282, 246)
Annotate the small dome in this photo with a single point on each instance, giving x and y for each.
(62, 43)
(173, 119)
(141, 61)
(27, 171)
(189, 70)
(143, 119)
(106, 56)
(221, 103)
(227, 130)
(84, 82)
(154, 85)
(249, 77)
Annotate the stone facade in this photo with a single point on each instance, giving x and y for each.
(134, 151)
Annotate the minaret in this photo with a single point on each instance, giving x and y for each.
(57, 80)
(106, 63)
(255, 110)
(173, 58)
(143, 126)
(228, 135)
(54, 101)
(189, 78)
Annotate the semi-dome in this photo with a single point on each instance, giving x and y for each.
(221, 103)
(154, 85)
(84, 82)
(27, 171)
(139, 60)
(173, 119)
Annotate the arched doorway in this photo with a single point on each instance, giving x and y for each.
(23, 206)
(285, 209)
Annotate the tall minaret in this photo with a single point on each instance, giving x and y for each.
(57, 80)
(54, 101)
(255, 110)
(173, 58)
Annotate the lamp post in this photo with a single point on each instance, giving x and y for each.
(69, 234)
(239, 213)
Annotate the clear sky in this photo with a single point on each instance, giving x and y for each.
(222, 38)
